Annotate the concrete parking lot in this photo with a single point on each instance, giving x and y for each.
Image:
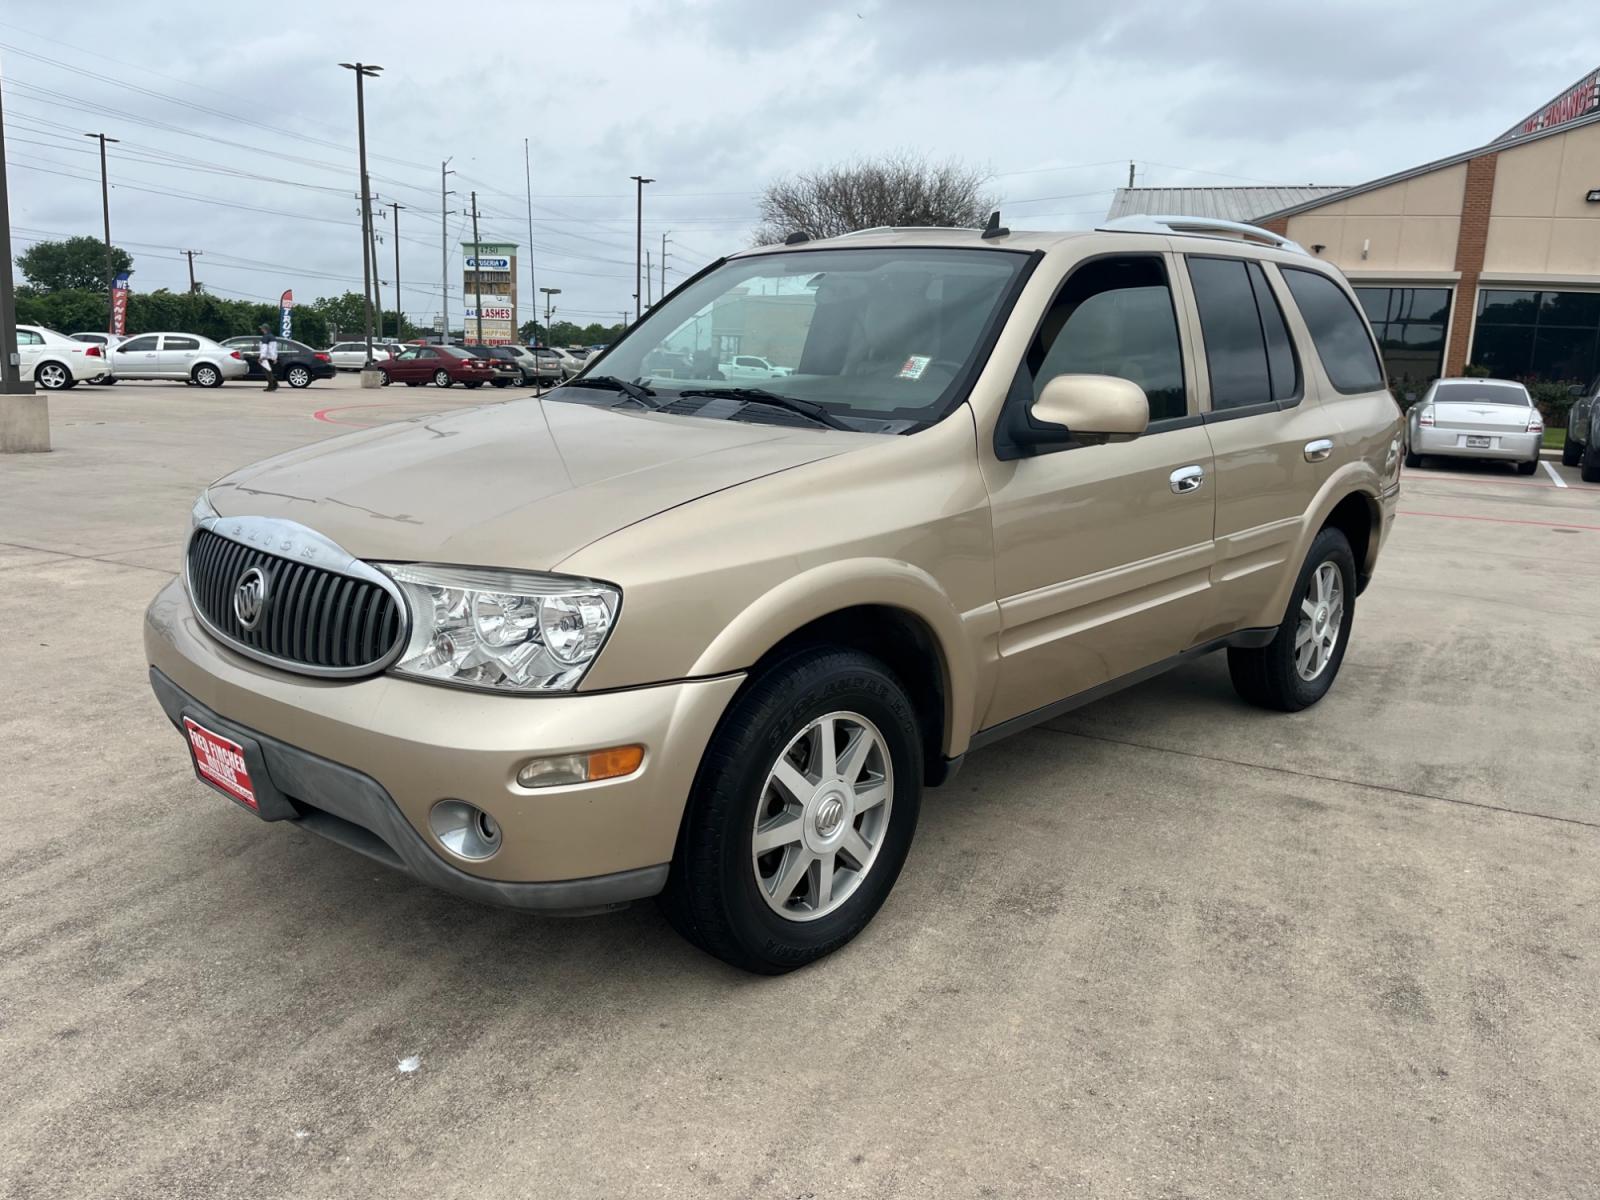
(1169, 946)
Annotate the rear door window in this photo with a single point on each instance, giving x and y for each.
(181, 343)
(1341, 337)
(1236, 351)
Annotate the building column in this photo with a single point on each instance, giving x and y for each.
(1476, 201)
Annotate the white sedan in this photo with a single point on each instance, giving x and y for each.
(751, 366)
(1476, 418)
(55, 361)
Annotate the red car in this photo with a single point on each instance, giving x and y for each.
(438, 365)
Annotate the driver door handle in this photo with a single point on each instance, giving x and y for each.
(1187, 479)
(1319, 450)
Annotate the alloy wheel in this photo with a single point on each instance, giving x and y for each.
(53, 376)
(822, 817)
(1321, 618)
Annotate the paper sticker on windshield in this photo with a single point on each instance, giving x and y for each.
(915, 366)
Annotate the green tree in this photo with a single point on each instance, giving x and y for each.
(64, 311)
(78, 263)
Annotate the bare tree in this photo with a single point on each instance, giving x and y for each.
(900, 189)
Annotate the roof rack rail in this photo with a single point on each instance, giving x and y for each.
(1202, 227)
(908, 229)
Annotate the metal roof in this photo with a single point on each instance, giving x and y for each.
(1246, 204)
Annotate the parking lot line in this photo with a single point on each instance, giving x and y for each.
(1554, 474)
(1500, 520)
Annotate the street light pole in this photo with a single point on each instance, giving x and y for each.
(533, 278)
(638, 241)
(105, 208)
(444, 249)
(369, 268)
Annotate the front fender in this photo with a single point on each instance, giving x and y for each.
(851, 583)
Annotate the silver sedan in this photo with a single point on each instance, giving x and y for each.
(177, 356)
(1476, 418)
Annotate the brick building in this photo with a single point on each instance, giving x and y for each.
(1490, 257)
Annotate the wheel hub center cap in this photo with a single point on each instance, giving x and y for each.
(829, 815)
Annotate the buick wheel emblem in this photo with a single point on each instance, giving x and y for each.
(250, 598)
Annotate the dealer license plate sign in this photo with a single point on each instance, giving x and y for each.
(1477, 443)
(220, 762)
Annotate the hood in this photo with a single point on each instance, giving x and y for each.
(523, 484)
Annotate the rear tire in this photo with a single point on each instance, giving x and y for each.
(1589, 464)
(1275, 675)
(442, 379)
(53, 377)
(207, 376)
(502, 383)
(1528, 468)
(1571, 451)
(769, 910)
(300, 377)
(1413, 461)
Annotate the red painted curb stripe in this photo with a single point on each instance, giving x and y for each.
(1501, 520)
(322, 414)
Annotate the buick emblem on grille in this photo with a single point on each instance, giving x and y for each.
(250, 598)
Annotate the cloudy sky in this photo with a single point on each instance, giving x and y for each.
(237, 126)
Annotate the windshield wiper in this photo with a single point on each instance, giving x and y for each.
(761, 396)
(633, 391)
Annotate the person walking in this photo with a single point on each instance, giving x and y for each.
(269, 357)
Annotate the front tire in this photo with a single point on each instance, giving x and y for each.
(300, 377)
(802, 813)
(442, 379)
(1296, 668)
(207, 376)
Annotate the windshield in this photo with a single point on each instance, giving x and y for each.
(1481, 393)
(874, 335)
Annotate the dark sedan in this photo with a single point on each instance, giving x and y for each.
(441, 366)
(298, 364)
(508, 368)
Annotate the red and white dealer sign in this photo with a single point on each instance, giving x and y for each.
(220, 761)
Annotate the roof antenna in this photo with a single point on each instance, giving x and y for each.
(795, 238)
(994, 229)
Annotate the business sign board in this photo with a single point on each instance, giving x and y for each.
(119, 304)
(1582, 99)
(496, 312)
(489, 262)
(495, 333)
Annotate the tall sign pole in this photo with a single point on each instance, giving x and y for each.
(105, 209)
(368, 265)
(638, 243)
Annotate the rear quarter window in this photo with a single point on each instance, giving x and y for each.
(1338, 331)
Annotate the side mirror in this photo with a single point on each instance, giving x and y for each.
(1074, 410)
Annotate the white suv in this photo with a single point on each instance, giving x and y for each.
(54, 361)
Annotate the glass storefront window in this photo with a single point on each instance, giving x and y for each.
(1538, 335)
(1410, 324)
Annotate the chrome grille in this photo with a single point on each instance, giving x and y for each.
(337, 617)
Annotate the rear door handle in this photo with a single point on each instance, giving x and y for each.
(1187, 479)
(1319, 450)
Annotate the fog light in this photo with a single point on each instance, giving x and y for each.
(559, 770)
(464, 829)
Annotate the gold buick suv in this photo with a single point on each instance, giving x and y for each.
(675, 630)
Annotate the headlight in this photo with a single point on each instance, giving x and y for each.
(201, 511)
(503, 631)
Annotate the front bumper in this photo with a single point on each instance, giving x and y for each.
(364, 762)
(1446, 442)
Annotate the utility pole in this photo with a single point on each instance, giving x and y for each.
(399, 309)
(369, 266)
(662, 294)
(533, 279)
(24, 417)
(649, 274)
(193, 286)
(477, 270)
(444, 248)
(105, 207)
(638, 240)
(1130, 172)
(549, 294)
